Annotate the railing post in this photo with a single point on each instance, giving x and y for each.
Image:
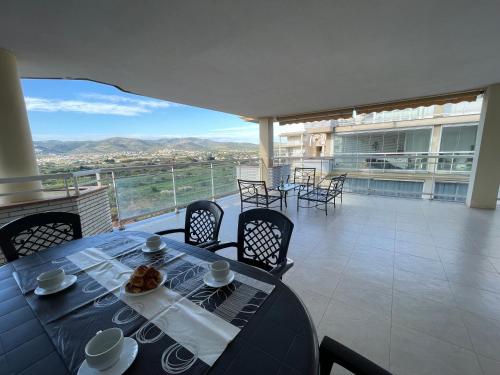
(115, 191)
(75, 184)
(66, 186)
(98, 178)
(212, 181)
(176, 209)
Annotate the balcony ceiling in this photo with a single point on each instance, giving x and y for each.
(260, 58)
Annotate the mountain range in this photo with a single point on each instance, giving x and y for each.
(117, 144)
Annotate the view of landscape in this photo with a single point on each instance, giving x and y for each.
(55, 156)
(153, 155)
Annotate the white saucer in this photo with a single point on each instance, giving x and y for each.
(210, 281)
(68, 281)
(129, 353)
(124, 291)
(146, 249)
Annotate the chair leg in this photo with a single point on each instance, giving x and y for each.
(241, 206)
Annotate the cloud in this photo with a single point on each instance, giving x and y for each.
(96, 104)
(244, 133)
(147, 103)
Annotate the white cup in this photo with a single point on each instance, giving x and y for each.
(51, 279)
(153, 242)
(219, 270)
(104, 349)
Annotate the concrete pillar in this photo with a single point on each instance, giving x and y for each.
(436, 138)
(266, 149)
(17, 155)
(432, 162)
(485, 175)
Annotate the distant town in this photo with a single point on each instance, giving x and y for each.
(69, 156)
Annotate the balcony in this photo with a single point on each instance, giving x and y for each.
(398, 280)
(411, 284)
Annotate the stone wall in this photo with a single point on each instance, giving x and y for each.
(92, 205)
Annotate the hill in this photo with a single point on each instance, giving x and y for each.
(117, 145)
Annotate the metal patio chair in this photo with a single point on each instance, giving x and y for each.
(331, 351)
(302, 178)
(256, 193)
(263, 239)
(31, 234)
(321, 195)
(202, 224)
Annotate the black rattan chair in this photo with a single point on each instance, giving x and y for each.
(322, 195)
(33, 233)
(202, 224)
(331, 351)
(303, 178)
(263, 239)
(255, 193)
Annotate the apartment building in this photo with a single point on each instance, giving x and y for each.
(416, 152)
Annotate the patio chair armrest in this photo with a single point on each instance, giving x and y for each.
(208, 243)
(331, 351)
(169, 231)
(282, 267)
(221, 246)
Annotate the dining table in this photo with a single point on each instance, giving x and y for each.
(254, 325)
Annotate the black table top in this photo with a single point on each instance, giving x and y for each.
(279, 339)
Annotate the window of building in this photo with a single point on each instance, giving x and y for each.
(458, 138)
(414, 140)
(393, 188)
(450, 191)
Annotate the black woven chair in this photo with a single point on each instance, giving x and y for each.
(331, 351)
(33, 233)
(263, 239)
(202, 224)
(322, 195)
(303, 178)
(256, 193)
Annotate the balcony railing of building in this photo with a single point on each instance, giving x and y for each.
(420, 113)
(442, 175)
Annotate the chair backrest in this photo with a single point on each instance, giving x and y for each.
(331, 351)
(203, 221)
(304, 176)
(334, 184)
(263, 237)
(249, 189)
(341, 179)
(30, 234)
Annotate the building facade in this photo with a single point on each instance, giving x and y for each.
(423, 152)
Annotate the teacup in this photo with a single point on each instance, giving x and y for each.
(153, 242)
(51, 279)
(104, 349)
(219, 270)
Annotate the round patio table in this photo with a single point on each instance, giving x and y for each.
(279, 339)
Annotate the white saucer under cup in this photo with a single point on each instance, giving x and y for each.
(127, 357)
(209, 280)
(162, 246)
(67, 282)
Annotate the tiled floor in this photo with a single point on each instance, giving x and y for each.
(413, 285)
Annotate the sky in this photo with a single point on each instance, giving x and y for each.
(84, 110)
